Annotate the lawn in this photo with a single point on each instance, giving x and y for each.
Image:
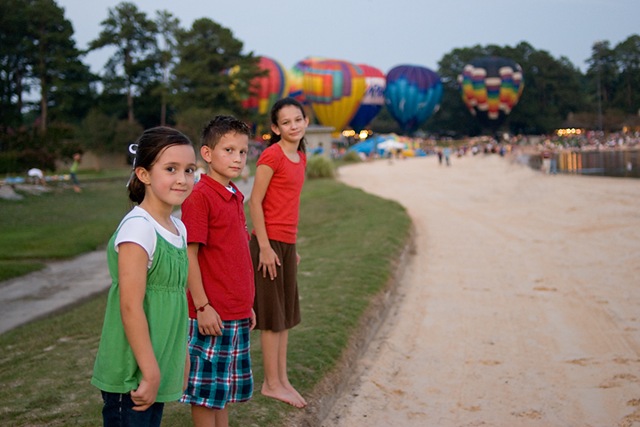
(348, 241)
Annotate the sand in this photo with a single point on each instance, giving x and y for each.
(520, 307)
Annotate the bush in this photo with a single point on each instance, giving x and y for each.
(9, 162)
(320, 167)
(18, 162)
(351, 157)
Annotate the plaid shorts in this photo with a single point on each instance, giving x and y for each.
(220, 366)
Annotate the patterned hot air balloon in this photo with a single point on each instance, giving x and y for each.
(491, 86)
(334, 89)
(412, 95)
(296, 78)
(373, 99)
(267, 89)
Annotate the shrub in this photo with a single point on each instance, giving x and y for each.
(320, 167)
(18, 162)
(9, 162)
(351, 157)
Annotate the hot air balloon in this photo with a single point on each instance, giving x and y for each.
(412, 95)
(295, 83)
(267, 89)
(491, 86)
(334, 89)
(296, 77)
(373, 99)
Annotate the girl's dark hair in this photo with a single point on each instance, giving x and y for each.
(274, 120)
(219, 127)
(150, 145)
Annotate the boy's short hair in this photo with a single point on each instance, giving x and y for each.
(221, 125)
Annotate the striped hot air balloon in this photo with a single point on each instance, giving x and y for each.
(334, 89)
(491, 86)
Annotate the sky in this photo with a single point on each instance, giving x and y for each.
(385, 33)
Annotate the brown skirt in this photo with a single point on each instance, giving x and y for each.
(276, 304)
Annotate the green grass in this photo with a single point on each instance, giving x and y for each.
(348, 242)
(59, 224)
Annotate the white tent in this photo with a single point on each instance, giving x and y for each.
(390, 144)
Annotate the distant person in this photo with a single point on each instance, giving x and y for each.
(77, 157)
(553, 161)
(36, 176)
(200, 170)
(446, 152)
(221, 288)
(546, 160)
(439, 153)
(142, 356)
(246, 173)
(274, 207)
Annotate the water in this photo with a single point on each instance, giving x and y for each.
(616, 163)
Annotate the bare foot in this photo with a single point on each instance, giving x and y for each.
(295, 393)
(284, 395)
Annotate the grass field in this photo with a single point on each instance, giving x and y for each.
(348, 241)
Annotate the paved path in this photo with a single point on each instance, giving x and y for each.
(60, 285)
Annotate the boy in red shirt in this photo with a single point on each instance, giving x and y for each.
(220, 283)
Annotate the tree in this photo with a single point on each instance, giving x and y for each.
(207, 51)
(53, 58)
(552, 90)
(133, 64)
(168, 28)
(13, 61)
(602, 74)
(627, 56)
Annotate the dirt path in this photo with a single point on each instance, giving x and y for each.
(520, 308)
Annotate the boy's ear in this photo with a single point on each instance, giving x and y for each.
(205, 152)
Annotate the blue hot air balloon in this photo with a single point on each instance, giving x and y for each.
(412, 95)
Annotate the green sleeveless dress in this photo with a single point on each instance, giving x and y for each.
(165, 305)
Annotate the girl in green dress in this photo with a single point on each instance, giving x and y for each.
(141, 358)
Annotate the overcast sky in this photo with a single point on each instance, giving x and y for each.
(386, 33)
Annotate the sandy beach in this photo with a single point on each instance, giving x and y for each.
(520, 306)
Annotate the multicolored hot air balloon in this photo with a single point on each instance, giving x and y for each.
(491, 86)
(334, 89)
(373, 99)
(412, 95)
(296, 77)
(267, 89)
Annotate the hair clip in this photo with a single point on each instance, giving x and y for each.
(133, 172)
(133, 149)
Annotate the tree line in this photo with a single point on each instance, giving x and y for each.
(52, 105)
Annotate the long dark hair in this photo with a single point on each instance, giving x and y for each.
(148, 147)
(274, 120)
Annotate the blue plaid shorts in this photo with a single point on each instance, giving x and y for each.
(220, 366)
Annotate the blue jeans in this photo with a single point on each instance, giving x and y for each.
(118, 412)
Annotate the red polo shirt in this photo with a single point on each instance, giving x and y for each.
(214, 217)
(281, 203)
